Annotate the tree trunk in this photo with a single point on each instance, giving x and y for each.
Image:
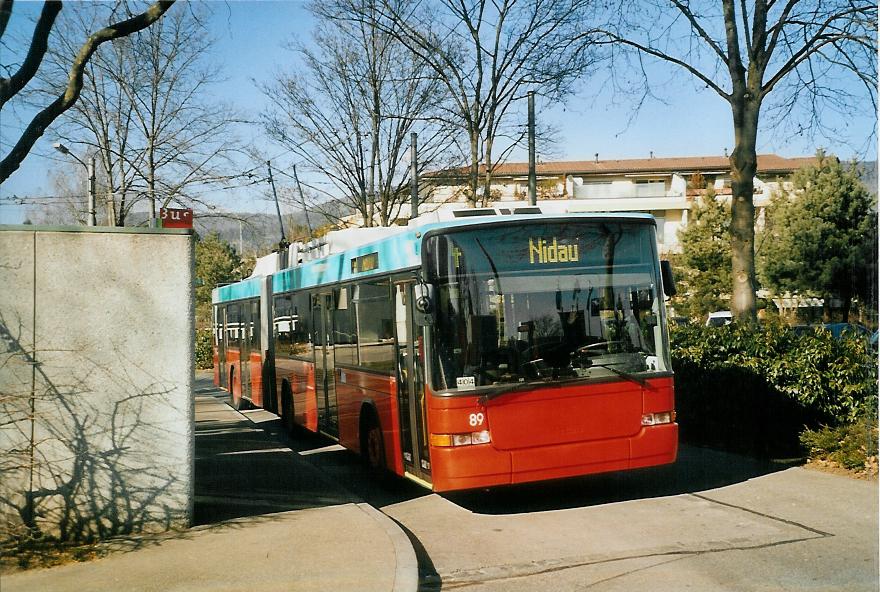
(846, 299)
(743, 165)
(474, 177)
(151, 180)
(490, 141)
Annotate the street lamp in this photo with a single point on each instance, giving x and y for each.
(90, 169)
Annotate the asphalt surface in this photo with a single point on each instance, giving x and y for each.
(265, 519)
(282, 512)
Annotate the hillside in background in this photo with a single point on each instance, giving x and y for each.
(253, 232)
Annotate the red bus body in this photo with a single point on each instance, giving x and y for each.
(536, 435)
(536, 430)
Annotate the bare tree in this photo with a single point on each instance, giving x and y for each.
(787, 58)
(10, 87)
(349, 111)
(144, 112)
(488, 54)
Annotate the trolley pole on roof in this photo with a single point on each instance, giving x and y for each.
(414, 175)
(302, 198)
(282, 244)
(533, 189)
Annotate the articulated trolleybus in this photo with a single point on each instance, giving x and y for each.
(474, 352)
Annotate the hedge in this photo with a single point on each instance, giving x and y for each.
(204, 349)
(755, 390)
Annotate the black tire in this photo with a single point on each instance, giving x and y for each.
(236, 404)
(372, 441)
(270, 402)
(287, 421)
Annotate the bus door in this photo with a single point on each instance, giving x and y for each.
(220, 338)
(325, 381)
(244, 355)
(411, 385)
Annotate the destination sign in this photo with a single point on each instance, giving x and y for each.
(545, 251)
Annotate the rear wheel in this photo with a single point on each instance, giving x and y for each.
(234, 402)
(372, 442)
(287, 408)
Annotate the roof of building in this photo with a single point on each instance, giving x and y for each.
(767, 163)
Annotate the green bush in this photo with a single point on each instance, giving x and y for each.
(204, 349)
(849, 446)
(755, 389)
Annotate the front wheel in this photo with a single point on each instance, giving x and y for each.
(372, 444)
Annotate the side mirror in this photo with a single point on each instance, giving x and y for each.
(423, 304)
(667, 278)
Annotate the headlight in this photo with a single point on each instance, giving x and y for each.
(448, 440)
(650, 419)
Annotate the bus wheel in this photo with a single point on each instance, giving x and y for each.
(372, 443)
(287, 408)
(235, 403)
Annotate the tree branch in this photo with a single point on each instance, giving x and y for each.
(613, 38)
(75, 82)
(39, 43)
(5, 13)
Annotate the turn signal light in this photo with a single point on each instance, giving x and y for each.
(448, 440)
(650, 419)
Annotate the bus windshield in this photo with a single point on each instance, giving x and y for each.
(545, 302)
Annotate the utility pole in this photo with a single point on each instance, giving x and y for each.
(91, 169)
(533, 189)
(414, 175)
(282, 244)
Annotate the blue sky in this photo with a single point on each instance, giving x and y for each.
(250, 36)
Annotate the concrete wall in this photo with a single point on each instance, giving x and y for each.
(96, 379)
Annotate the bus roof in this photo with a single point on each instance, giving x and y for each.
(399, 251)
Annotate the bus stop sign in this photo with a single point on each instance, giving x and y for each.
(176, 217)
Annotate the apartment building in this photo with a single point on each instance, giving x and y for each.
(664, 187)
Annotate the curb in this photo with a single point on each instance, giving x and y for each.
(406, 571)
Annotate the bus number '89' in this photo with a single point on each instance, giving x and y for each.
(476, 419)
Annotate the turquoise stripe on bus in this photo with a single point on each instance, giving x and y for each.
(249, 288)
(398, 252)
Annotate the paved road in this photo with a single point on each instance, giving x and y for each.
(713, 521)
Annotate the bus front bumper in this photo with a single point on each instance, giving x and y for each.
(471, 467)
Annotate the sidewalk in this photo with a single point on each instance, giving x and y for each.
(268, 521)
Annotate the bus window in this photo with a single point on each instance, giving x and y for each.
(282, 326)
(344, 330)
(233, 325)
(375, 325)
(300, 319)
(254, 326)
(561, 301)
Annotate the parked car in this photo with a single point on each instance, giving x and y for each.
(719, 318)
(838, 330)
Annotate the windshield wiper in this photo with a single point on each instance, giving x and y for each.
(551, 383)
(512, 388)
(631, 377)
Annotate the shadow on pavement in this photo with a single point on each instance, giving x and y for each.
(242, 470)
(697, 469)
(252, 467)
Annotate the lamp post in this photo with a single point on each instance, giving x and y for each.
(90, 169)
